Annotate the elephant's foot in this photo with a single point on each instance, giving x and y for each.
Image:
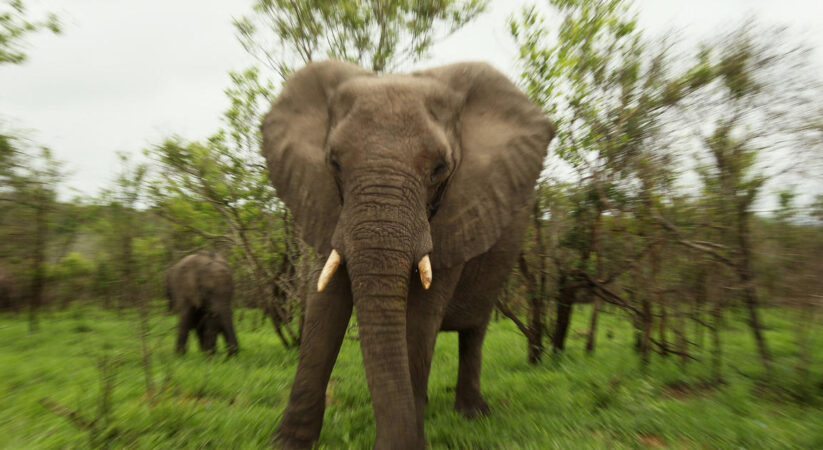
(297, 434)
(471, 406)
(394, 444)
(284, 442)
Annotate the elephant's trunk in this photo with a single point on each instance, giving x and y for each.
(380, 302)
(382, 243)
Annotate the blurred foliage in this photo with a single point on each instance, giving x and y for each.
(217, 193)
(15, 25)
(29, 179)
(630, 113)
(72, 276)
(378, 34)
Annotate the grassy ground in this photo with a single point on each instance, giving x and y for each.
(574, 401)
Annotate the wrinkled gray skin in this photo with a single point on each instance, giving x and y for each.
(387, 169)
(199, 288)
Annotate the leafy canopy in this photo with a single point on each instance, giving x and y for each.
(380, 34)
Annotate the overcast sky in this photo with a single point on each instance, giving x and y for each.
(124, 75)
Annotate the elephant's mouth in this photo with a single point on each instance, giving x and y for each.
(424, 267)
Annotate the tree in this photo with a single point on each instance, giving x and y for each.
(760, 105)
(28, 187)
(608, 90)
(218, 190)
(380, 34)
(121, 205)
(532, 271)
(25, 182)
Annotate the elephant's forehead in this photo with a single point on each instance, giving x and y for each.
(396, 90)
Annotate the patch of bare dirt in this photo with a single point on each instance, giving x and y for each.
(651, 441)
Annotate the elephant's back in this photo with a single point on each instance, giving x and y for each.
(184, 280)
(215, 280)
(198, 279)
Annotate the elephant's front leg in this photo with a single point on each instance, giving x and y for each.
(211, 329)
(327, 317)
(424, 314)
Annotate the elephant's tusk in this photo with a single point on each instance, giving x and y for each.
(425, 268)
(328, 270)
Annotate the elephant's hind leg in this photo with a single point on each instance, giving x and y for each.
(478, 289)
(327, 317)
(211, 328)
(200, 328)
(185, 323)
(227, 328)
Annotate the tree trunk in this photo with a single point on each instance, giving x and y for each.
(698, 306)
(129, 297)
(657, 293)
(717, 348)
(592, 334)
(746, 276)
(267, 289)
(565, 301)
(646, 324)
(536, 329)
(590, 338)
(38, 278)
(681, 343)
(806, 315)
(662, 328)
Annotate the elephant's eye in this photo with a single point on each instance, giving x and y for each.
(334, 164)
(438, 169)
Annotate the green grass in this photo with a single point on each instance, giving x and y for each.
(574, 401)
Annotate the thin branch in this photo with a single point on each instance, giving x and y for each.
(691, 244)
(607, 294)
(73, 416)
(664, 348)
(511, 315)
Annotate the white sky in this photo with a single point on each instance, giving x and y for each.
(124, 75)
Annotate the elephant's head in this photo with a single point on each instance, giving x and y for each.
(388, 174)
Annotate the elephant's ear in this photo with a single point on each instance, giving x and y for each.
(503, 139)
(294, 139)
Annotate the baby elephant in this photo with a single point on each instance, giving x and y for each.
(199, 288)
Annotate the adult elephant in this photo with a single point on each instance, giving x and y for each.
(199, 288)
(385, 175)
